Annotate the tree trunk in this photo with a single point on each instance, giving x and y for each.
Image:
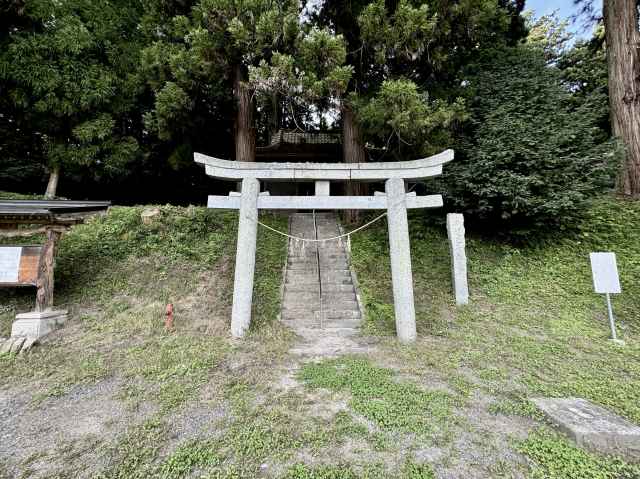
(353, 152)
(623, 61)
(46, 265)
(245, 131)
(52, 185)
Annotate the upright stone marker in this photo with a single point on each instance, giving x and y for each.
(455, 232)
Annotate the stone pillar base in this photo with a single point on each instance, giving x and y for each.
(37, 324)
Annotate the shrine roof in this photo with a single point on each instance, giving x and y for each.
(49, 211)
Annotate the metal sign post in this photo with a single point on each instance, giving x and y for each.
(606, 281)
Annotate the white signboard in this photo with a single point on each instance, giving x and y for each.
(605, 273)
(10, 264)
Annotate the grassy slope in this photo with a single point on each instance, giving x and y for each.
(534, 326)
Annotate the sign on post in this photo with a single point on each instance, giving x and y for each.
(10, 264)
(606, 281)
(19, 265)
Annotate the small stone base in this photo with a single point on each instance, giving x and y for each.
(37, 324)
(16, 345)
(593, 427)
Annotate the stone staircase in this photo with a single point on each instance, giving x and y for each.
(320, 302)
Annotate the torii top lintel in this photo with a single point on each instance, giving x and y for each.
(408, 170)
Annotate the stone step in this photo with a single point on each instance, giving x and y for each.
(313, 304)
(313, 288)
(314, 257)
(312, 268)
(328, 297)
(325, 324)
(297, 312)
(341, 273)
(326, 280)
(328, 263)
(329, 287)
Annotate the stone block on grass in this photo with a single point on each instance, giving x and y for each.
(593, 427)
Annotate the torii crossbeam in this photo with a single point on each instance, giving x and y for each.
(395, 200)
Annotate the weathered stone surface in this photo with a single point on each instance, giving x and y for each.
(149, 215)
(455, 232)
(593, 427)
(37, 324)
(322, 325)
(370, 171)
(245, 258)
(5, 346)
(17, 345)
(400, 254)
(28, 344)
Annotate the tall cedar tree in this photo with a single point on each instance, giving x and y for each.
(620, 19)
(72, 74)
(207, 52)
(406, 58)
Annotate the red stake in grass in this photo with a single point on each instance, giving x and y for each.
(168, 322)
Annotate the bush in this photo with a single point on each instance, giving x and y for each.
(529, 160)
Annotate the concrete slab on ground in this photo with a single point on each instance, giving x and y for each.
(593, 427)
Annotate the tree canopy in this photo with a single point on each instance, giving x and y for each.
(122, 93)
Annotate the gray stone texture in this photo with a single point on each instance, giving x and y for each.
(245, 258)
(365, 171)
(319, 298)
(455, 232)
(37, 324)
(593, 427)
(400, 254)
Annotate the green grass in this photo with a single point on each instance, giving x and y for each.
(186, 458)
(115, 275)
(534, 326)
(378, 396)
(555, 458)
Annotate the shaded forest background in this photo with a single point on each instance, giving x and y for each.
(118, 95)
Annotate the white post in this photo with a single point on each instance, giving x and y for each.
(245, 258)
(400, 253)
(612, 322)
(455, 232)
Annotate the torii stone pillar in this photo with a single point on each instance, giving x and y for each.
(400, 253)
(245, 257)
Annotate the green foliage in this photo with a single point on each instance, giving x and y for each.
(187, 457)
(132, 457)
(400, 111)
(180, 365)
(191, 66)
(72, 75)
(583, 69)
(410, 470)
(390, 404)
(406, 31)
(534, 326)
(555, 458)
(531, 160)
(314, 72)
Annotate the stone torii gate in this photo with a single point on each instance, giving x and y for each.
(395, 200)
